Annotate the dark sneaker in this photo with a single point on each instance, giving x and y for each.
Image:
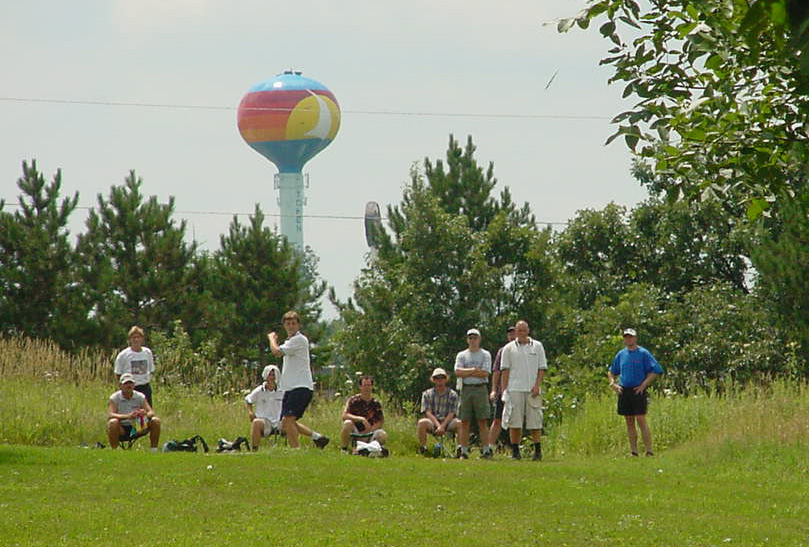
(537, 456)
(516, 455)
(650, 453)
(633, 454)
(321, 441)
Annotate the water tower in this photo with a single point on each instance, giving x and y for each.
(288, 119)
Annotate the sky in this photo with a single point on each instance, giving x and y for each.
(81, 82)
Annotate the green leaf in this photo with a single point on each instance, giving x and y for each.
(607, 29)
(566, 24)
(631, 141)
(756, 207)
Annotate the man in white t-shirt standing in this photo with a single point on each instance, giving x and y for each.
(523, 366)
(296, 381)
(138, 361)
(264, 406)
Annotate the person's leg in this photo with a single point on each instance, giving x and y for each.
(424, 425)
(289, 424)
(380, 436)
(256, 432)
(645, 432)
(114, 432)
(463, 437)
(345, 434)
(494, 431)
(154, 432)
(632, 434)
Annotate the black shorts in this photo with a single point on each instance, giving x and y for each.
(295, 402)
(146, 389)
(631, 403)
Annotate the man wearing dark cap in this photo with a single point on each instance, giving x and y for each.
(631, 372)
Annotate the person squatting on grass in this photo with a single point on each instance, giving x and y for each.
(473, 366)
(264, 406)
(296, 381)
(130, 416)
(439, 404)
(138, 361)
(497, 390)
(363, 415)
(523, 367)
(635, 368)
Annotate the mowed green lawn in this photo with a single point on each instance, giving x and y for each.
(72, 496)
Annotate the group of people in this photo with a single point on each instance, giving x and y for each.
(513, 402)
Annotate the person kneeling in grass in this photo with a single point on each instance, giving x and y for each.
(363, 416)
(264, 406)
(130, 416)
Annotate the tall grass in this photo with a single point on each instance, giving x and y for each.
(50, 397)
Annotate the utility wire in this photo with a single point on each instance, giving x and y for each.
(284, 109)
(279, 215)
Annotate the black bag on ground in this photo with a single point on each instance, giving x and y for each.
(188, 445)
(236, 446)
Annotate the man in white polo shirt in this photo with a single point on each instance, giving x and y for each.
(523, 366)
(296, 381)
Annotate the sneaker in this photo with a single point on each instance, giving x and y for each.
(537, 456)
(633, 454)
(650, 453)
(321, 441)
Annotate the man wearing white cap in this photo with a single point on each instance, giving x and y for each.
(634, 368)
(473, 366)
(264, 406)
(130, 416)
(439, 405)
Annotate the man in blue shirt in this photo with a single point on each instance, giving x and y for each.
(631, 372)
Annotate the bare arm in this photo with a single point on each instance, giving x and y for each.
(646, 381)
(275, 348)
(473, 372)
(112, 412)
(504, 379)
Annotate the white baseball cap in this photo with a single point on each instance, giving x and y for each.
(630, 332)
(476, 332)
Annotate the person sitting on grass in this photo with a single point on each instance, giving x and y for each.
(264, 406)
(363, 415)
(130, 416)
(439, 404)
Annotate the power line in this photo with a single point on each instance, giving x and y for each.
(171, 106)
(279, 215)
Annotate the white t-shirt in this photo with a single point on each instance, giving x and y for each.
(268, 403)
(126, 406)
(139, 364)
(480, 359)
(296, 372)
(524, 362)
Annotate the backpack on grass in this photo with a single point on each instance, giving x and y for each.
(188, 445)
(236, 446)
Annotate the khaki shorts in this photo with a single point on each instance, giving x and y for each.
(269, 429)
(451, 426)
(520, 407)
(475, 403)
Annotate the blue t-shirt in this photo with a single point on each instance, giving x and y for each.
(633, 366)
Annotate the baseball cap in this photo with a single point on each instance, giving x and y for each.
(126, 377)
(439, 372)
(470, 332)
(630, 332)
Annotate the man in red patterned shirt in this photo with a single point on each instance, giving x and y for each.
(363, 414)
